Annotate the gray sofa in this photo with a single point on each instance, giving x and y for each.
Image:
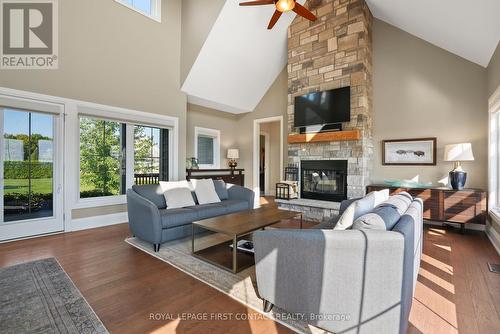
(150, 220)
(353, 281)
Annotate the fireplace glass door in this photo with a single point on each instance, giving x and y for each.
(324, 180)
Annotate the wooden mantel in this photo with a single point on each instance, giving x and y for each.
(324, 136)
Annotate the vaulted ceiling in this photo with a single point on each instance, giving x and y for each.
(240, 58)
(469, 29)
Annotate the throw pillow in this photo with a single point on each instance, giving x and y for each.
(381, 196)
(364, 205)
(205, 191)
(370, 221)
(221, 189)
(177, 194)
(347, 219)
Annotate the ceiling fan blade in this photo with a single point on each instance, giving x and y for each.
(257, 3)
(304, 12)
(274, 19)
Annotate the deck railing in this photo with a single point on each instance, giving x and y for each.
(151, 178)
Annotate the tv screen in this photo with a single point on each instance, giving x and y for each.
(328, 107)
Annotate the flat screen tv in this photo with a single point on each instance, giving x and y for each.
(328, 107)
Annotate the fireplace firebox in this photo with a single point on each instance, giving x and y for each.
(324, 180)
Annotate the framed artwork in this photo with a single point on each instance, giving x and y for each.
(409, 152)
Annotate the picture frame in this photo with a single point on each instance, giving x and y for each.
(409, 152)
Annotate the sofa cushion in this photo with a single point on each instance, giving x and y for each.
(400, 202)
(221, 189)
(234, 205)
(177, 217)
(370, 221)
(208, 210)
(177, 194)
(151, 192)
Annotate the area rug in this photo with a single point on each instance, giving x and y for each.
(241, 286)
(39, 297)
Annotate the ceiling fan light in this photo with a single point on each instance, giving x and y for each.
(285, 5)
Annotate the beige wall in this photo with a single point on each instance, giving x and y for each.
(272, 130)
(493, 71)
(423, 91)
(198, 17)
(274, 103)
(112, 55)
(213, 119)
(237, 130)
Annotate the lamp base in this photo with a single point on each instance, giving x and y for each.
(232, 164)
(457, 179)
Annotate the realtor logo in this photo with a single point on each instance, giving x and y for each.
(28, 34)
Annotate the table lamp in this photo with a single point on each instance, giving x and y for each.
(458, 153)
(232, 155)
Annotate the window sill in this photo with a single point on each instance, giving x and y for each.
(495, 214)
(85, 203)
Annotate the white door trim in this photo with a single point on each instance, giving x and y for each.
(256, 155)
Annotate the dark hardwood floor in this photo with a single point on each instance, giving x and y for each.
(455, 293)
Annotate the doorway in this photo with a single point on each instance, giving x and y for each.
(31, 173)
(268, 155)
(264, 150)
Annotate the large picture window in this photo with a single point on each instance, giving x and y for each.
(494, 154)
(116, 155)
(102, 143)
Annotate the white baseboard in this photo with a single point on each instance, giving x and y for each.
(97, 221)
(474, 227)
(494, 237)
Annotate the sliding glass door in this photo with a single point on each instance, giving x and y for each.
(31, 176)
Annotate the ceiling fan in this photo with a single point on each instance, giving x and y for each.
(281, 7)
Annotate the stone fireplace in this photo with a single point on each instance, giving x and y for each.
(333, 52)
(324, 180)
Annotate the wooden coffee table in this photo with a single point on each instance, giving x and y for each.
(237, 225)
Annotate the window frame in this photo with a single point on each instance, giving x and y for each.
(494, 153)
(213, 133)
(155, 9)
(122, 116)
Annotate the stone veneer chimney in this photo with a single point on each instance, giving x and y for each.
(333, 52)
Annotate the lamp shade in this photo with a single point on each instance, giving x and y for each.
(233, 153)
(458, 152)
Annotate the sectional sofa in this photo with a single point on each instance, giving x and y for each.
(345, 281)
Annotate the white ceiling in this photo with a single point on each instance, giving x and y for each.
(239, 60)
(470, 29)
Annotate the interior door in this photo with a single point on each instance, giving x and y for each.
(31, 173)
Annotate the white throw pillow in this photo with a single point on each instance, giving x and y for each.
(381, 196)
(347, 218)
(177, 194)
(205, 191)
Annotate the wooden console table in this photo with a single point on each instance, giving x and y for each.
(233, 176)
(447, 205)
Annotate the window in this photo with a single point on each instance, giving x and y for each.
(102, 164)
(494, 152)
(28, 165)
(149, 8)
(150, 155)
(207, 147)
(110, 162)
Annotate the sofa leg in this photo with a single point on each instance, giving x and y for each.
(268, 306)
(156, 247)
